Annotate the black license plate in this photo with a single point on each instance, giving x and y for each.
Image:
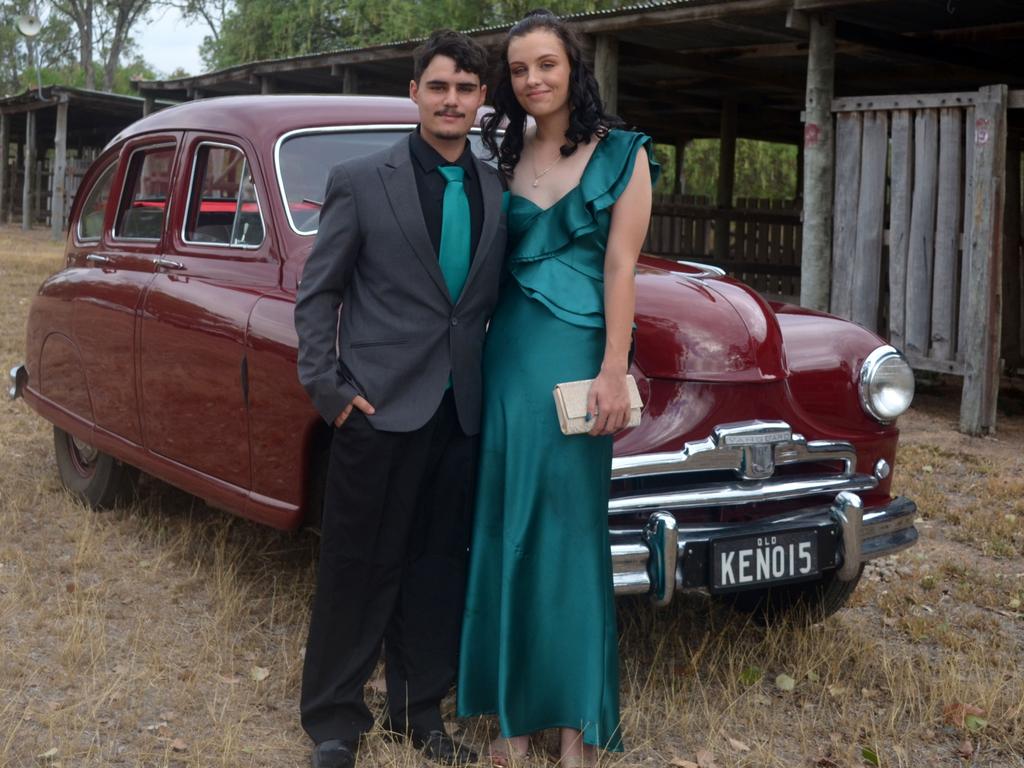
(765, 559)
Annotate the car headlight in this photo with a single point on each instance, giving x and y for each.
(886, 384)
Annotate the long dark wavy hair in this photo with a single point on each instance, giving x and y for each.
(586, 110)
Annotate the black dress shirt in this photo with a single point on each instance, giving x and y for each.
(431, 184)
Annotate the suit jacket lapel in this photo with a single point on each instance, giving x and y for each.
(491, 192)
(400, 186)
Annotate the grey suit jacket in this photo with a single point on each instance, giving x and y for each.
(399, 336)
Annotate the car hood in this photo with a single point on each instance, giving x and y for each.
(694, 325)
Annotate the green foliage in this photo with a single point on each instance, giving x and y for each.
(763, 169)
(262, 29)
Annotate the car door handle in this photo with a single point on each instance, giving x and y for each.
(95, 258)
(168, 264)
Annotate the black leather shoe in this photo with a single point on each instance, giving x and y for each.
(335, 753)
(442, 748)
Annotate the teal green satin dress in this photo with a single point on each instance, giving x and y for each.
(539, 641)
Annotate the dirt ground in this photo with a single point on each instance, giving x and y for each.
(166, 633)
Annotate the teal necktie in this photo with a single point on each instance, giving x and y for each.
(455, 234)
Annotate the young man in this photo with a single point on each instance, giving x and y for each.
(410, 245)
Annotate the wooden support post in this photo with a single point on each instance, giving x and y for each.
(606, 70)
(726, 176)
(350, 80)
(679, 182)
(984, 291)
(148, 104)
(60, 172)
(29, 160)
(5, 138)
(1013, 352)
(12, 189)
(816, 250)
(267, 85)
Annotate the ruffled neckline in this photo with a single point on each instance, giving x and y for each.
(571, 190)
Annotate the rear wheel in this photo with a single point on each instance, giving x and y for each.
(95, 477)
(814, 600)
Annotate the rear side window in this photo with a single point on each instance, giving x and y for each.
(222, 206)
(140, 215)
(90, 222)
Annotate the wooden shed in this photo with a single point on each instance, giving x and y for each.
(908, 120)
(48, 139)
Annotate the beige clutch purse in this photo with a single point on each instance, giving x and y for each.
(571, 404)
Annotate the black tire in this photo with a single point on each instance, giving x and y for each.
(98, 479)
(807, 601)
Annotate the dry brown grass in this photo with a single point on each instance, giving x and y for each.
(136, 637)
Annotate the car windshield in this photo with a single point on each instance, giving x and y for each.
(305, 158)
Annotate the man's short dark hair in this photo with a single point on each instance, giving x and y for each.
(468, 54)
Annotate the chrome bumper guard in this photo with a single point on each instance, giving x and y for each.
(19, 375)
(664, 556)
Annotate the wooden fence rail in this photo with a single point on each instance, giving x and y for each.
(764, 238)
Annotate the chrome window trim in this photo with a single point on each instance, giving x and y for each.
(167, 203)
(395, 127)
(188, 207)
(867, 372)
(79, 240)
(392, 127)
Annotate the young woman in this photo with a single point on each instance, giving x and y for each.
(539, 642)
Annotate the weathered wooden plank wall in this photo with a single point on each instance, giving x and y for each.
(870, 220)
(901, 171)
(947, 206)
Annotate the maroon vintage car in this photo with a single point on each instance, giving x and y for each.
(760, 471)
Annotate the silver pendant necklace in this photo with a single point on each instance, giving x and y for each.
(538, 176)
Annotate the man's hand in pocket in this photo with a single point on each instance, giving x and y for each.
(357, 402)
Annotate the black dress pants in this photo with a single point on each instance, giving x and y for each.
(396, 527)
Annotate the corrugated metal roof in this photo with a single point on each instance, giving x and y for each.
(578, 16)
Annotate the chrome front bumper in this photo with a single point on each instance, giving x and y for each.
(19, 375)
(663, 555)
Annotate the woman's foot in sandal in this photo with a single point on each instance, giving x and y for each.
(507, 752)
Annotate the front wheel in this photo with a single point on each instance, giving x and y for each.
(95, 477)
(813, 600)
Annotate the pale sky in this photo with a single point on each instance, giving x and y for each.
(167, 42)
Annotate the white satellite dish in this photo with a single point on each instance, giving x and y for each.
(29, 24)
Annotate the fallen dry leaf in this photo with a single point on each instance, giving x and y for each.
(680, 763)
(378, 684)
(738, 745)
(784, 682)
(179, 745)
(48, 754)
(966, 748)
(705, 759)
(229, 680)
(955, 714)
(825, 762)
(259, 674)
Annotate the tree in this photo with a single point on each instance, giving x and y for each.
(105, 25)
(55, 47)
(260, 29)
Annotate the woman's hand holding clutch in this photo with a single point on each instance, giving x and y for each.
(608, 403)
